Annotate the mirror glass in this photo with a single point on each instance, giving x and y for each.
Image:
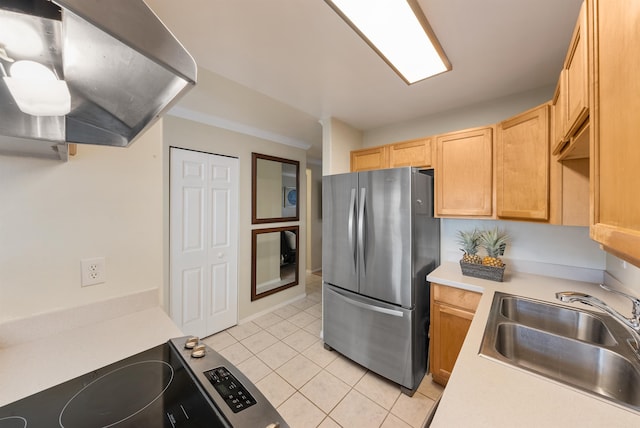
(274, 260)
(274, 189)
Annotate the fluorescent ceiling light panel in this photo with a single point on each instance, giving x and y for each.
(399, 32)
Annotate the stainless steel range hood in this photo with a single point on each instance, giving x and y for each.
(122, 66)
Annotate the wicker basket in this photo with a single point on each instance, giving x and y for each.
(481, 271)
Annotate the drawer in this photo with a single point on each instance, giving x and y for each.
(456, 296)
(375, 335)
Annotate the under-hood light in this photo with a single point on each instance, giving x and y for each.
(20, 38)
(37, 90)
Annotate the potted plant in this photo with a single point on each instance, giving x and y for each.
(493, 241)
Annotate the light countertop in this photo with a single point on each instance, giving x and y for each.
(32, 366)
(485, 393)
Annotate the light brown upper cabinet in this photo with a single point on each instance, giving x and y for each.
(559, 114)
(522, 165)
(367, 159)
(416, 153)
(570, 104)
(575, 64)
(464, 173)
(615, 126)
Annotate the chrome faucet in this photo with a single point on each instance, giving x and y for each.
(632, 323)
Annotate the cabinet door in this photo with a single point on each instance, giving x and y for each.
(416, 153)
(458, 297)
(559, 115)
(522, 165)
(452, 311)
(576, 80)
(449, 329)
(367, 159)
(615, 151)
(464, 173)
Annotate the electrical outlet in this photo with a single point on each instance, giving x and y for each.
(94, 271)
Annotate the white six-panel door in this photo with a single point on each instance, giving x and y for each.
(203, 241)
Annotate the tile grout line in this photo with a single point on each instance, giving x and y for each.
(307, 304)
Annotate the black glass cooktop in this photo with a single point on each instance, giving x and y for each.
(149, 389)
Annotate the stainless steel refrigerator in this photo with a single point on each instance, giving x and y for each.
(379, 242)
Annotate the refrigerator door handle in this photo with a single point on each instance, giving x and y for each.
(350, 230)
(361, 229)
(374, 308)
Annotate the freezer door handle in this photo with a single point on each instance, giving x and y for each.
(350, 228)
(361, 229)
(369, 307)
(375, 308)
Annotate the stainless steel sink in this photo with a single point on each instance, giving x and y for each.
(557, 319)
(581, 364)
(581, 349)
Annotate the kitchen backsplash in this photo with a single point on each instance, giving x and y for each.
(624, 272)
(560, 251)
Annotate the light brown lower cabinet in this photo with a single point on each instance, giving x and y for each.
(452, 311)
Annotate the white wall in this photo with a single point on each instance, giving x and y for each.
(560, 251)
(626, 273)
(197, 136)
(486, 113)
(314, 217)
(238, 108)
(338, 140)
(105, 201)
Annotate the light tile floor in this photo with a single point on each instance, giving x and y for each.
(282, 353)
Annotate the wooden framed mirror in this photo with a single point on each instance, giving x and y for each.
(275, 184)
(274, 260)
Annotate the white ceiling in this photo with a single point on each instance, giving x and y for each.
(299, 52)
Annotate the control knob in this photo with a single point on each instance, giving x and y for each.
(199, 351)
(191, 342)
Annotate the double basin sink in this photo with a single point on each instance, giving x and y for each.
(579, 348)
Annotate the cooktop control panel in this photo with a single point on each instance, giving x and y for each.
(230, 389)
